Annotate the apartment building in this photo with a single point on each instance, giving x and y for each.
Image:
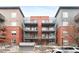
(67, 22)
(11, 19)
(40, 29)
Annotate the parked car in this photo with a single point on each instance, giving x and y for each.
(57, 51)
(76, 49)
(66, 49)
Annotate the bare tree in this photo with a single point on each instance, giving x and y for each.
(76, 20)
(2, 20)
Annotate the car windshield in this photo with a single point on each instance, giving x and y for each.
(77, 48)
(67, 48)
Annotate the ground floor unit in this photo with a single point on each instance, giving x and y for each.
(14, 34)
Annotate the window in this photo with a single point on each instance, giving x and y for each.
(65, 23)
(45, 28)
(51, 40)
(13, 15)
(27, 35)
(50, 21)
(34, 21)
(28, 40)
(51, 28)
(13, 32)
(13, 23)
(27, 28)
(34, 35)
(44, 21)
(34, 28)
(65, 15)
(44, 35)
(65, 42)
(52, 35)
(26, 20)
(65, 33)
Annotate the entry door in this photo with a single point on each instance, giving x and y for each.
(13, 41)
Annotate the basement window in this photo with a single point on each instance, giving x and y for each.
(13, 32)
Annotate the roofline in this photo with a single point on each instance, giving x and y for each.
(66, 7)
(13, 8)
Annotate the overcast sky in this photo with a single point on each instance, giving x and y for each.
(39, 10)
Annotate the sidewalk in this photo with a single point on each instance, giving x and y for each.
(36, 49)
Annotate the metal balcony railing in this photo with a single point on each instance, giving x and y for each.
(31, 37)
(52, 37)
(30, 22)
(51, 29)
(48, 29)
(30, 29)
(48, 21)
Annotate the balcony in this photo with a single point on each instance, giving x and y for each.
(48, 36)
(44, 36)
(52, 37)
(46, 23)
(48, 29)
(30, 37)
(30, 23)
(30, 30)
(52, 29)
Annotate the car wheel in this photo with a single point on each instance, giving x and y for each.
(76, 52)
(52, 51)
(58, 52)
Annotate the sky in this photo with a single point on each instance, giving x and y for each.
(39, 10)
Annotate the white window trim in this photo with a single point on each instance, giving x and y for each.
(65, 23)
(13, 15)
(13, 31)
(65, 14)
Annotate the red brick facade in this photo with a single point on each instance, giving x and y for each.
(69, 37)
(39, 19)
(9, 35)
(13, 17)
